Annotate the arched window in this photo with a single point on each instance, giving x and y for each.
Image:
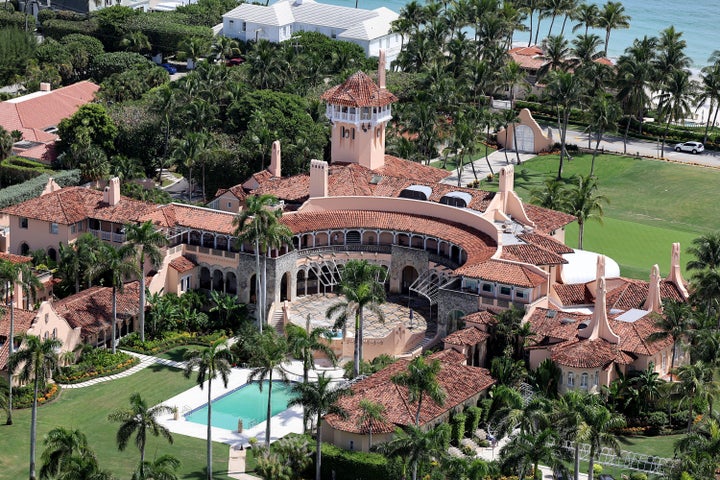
(54, 333)
(571, 379)
(584, 380)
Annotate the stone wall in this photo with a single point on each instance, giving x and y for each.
(450, 300)
(403, 257)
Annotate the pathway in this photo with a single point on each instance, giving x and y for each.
(145, 361)
(497, 160)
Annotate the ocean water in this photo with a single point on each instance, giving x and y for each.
(699, 21)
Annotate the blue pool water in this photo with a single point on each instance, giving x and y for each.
(246, 402)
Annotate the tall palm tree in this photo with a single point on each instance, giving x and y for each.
(697, 383)
(699, 450)
(116, 264)
(586, 15)
(251, 225)
(612, 17)
(210, 362)
(268, 355)
(360, 286)
(525, 451)
(584, 203)
(675, 322)
(604, 115)
(710, 92)
(635, 76)
(37, 360)
(648, 385)
(187, 152)
(11, 275)
(370, 412)
(421, 379)
(141, 421)
(416, 445)
(565, 91)
(164, 103)
(706, 251)
(567, 415)
(319, 399)
(676, 99)
(61, 445)
(303, 343)
(146, 241)
(598, 431)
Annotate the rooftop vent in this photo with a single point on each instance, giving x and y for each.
(551, 314)
(567, 321)
(583, 324)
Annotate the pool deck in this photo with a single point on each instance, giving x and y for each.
(287, 421)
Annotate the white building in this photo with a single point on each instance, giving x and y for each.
(368, 28)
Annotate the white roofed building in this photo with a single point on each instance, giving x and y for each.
(277, 22)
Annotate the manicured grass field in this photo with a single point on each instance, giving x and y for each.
(652, 204)
(451, 163)
(87, 409)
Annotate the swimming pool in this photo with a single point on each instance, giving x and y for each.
(246, 402)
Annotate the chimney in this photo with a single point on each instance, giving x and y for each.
(275, 163)
(45, 87)
(675, 275)
(111, 193)
(507, 179)
(381, 69)
(50, 187)
(653, 303)
(318, 178)
(599, 326)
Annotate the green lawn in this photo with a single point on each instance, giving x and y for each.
(451, 163)
(87, 410)
(177, 354)
(652, 204)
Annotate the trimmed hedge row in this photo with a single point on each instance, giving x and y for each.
(169, 341)
(350, 465)
(14, 170)
(33, 187)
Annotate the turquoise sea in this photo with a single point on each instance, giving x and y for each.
(698, 20)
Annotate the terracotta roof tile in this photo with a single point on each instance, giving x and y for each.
(531, 254)
(547, 220)
(177, 215)
(583, 353)
(182, 264)
(459, 381)
(529, 58)
(466, 336)
(23, 320)
(545, 241)
(480, 318)
(91, 309)
(359, 91)
(503, 272)
(574, 294)
(12, 258)
(477, 245)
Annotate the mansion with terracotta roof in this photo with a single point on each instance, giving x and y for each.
(468, 253)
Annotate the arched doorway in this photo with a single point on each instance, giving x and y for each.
(409, 275)
(253, 289)
(284, 286)
(24, 248)
(205, 278)
(231, 284)
(52, 254)
(301, 286)
(217, 280)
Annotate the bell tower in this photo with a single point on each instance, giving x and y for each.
(359, 111)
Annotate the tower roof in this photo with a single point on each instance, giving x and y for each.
(359, 91)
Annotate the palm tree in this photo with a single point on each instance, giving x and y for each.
(187, 152)
(586, 15)
(370, 412)
(117, 264)
(676, 99)
(225, 305)
(140, 421)
(706, 250)
(648, 385)
(598, 431)
(635, 75)
(697, 383)
(567, 415)
(37, 361)
(211, 362)
(604, 115)
(146, 241)
(420, 379)
(556, 51)
(565, 91)
(225, 47)
(11, 275)
(416, 445)
(363, 291)
(163, 468)
(699, 450)
(526, 450)
(612, 17)
(164, 103)
(61, 445)
(675, 322)
(251, 226)
(710, 92)
(192, 49)
(550, 195)
(303, 343)
(136, 41)
(268, 354)
(319, 399)
(584, 203)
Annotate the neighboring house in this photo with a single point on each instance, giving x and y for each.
(371, 29)
(463, 384)
(38, 114)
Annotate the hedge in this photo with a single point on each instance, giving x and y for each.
(473, 420)
(165, 31)
(352, 465)
(32, 188)
(11, 19)
(14, 170)
(458, 428)
(57, 29)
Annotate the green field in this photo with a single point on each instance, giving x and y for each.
(652, 204)
(87, 410)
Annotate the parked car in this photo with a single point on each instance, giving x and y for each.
(231, 62)
(169, 68)
(692, 147)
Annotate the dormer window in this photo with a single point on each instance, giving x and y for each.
(456, 199)
(416, 192)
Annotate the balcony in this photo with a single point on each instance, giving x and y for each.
(108, 236)
(364, 115)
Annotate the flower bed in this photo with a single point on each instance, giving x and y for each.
(23, 396)
(94, 364)
(168, 341)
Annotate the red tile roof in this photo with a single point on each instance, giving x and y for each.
(466, 336)
(182, 264)
(531, 254)
(480, 318)
(503, 272)
(236, 190)
(529, 58)
(12, 258)
(574, 294)
(460, 382)
(23, 320)
(73, 204)
(91, 309)
(359, 91)
(477, 245)
(545, 241)
(547, 220)
(584, 353)
(623, 293)
(177, 215)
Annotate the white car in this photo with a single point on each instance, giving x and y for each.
(692, 147)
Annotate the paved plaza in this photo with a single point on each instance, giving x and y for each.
(396, 310)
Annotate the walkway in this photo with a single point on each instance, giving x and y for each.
(497, 160)
(145, 361)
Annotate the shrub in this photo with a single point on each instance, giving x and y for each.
(23, 396)
(597, 469)
(657, 421)
(166, 30)
(473, 419)
(58, 28)
(168, 341)
(94, 363)
(351, 465)
(458, 428)
(32, 188)
(638, 476)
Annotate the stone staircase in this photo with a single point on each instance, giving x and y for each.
(277, 321)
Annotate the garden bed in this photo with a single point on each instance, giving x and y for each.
(168, 341)
(23, 396)
(95, 364)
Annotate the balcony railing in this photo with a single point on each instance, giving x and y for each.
(108, 236)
